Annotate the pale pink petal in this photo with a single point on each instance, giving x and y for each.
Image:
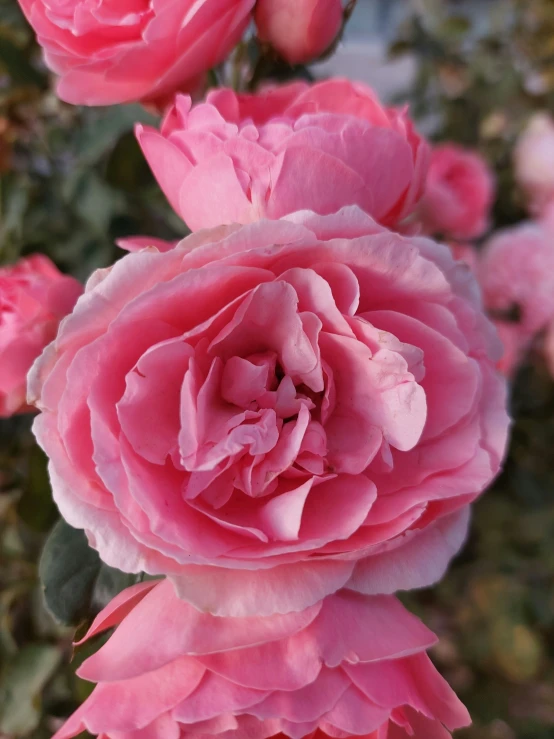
(281, 589)
(417, 561)
(131, 652)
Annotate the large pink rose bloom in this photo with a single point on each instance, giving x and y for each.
(300, 30)
(239, 158)
(34, 297)
(351, 665)
(534, 162)
(108, 52)
(459, 193)
(268, 412)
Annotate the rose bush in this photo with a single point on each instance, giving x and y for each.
(268, 412)
(299, 30)
(459, 192)
(112, 52)
(169, 671)
(34, 297)
(239, 158)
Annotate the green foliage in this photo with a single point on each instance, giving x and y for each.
(68, 569)
(477, 84)
(73, 578)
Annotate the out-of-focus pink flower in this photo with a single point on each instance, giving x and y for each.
(517, 276)
(268, 412)
(516, 272)
(459, 192)
(34, 297)
(239, 158)
(351, 665)
(109, 52)
(300, 30)
(534, 162)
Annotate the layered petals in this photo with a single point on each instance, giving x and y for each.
(98, 47)
(268, 413)
(352, 665)
(238, 158)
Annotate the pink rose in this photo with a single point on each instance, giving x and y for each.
(300, 30)
(517, 276)
(170, 671)
(458, 194)
(516, 272)
(34, 297)
(268, 412)
(239, 158)
(534, 162)
(115, 52)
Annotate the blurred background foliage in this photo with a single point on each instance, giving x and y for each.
(73, 180)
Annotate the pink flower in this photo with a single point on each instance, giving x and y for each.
(534, 162)
(458, 194)
(300, 30)
(172, 672)
(239, 158)
(268, 412)
(517, 276)
(34, 297)
(516, 272)
(109, 52)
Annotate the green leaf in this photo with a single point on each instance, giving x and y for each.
(76, 583)
(68, 570)
(22, 681)
(109, 583)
